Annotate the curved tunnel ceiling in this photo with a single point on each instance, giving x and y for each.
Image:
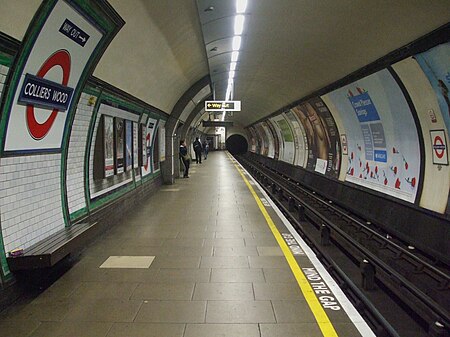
(293, 48)
(290, 48)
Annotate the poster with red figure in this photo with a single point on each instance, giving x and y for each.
(382, 139)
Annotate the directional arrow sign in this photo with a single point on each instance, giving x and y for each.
(222, 105)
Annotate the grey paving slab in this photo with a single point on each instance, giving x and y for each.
(288, 311)
(18, 329)
(186, 242)
(190, 251)
(58, 290)
(163, 291)
(103, 310)
(196, 235)
(54, 310)
(172, 312)
(268, 262)
(290, 330)
(260, 242)
(263, 235)
(240, 312)
(146, 330)
(233, 235)
(223, 291)
(222, 330)
(225, 242)
(146, 242)
(277, 291)
(71, 329)
(278, 275)
(224, 262)
(255, 227)
(176, 262)
(237, 275)
(269, 251)
(91, 290)
(182, 275)
(224, 228)
(235, 251)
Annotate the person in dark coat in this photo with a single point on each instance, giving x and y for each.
(184, 158)
(198, 150)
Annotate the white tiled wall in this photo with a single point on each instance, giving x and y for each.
(30, 199)
(75, 159)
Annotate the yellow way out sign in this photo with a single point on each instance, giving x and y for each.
(222, 105)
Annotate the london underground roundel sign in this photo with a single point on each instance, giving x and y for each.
(60, 58)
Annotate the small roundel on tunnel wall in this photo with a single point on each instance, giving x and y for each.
(236, 144)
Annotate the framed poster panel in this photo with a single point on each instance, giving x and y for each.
(128, 145)
(135, 145)
(120, 134)
(108, 145)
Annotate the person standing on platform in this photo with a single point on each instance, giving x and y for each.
(198, 150)
(206, 148)
(184, 158)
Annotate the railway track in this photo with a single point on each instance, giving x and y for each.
(416, 279)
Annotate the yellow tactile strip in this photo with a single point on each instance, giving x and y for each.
(319, 313)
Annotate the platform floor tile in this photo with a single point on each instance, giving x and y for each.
(237, 275)
(223, 291)
(103, 310)
(70, 329)
(14, 329)
(222, 330)
(172, 312)
(240, 312)
(146, 330)
(290, 330)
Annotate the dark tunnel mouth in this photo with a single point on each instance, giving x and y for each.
(236, 144)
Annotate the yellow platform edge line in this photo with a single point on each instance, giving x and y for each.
(319, 313)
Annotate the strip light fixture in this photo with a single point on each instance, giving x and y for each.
(239, 19)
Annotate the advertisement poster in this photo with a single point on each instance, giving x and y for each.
(322, 136)
(252, 139)
(120, 134)
(435, 63)
(273, 144)
(135, 146)
(162, 141)
(264, 150)
(301, 157)
(145, 146)
(382, 141)
(50, 75)
(287, 137)
(128, 145)
(108, 132)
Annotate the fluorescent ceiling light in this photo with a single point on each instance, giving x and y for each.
(234, 56)
(236, 43)
(233, 66)
(241, 5)
(239, 24)
(232, 73)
